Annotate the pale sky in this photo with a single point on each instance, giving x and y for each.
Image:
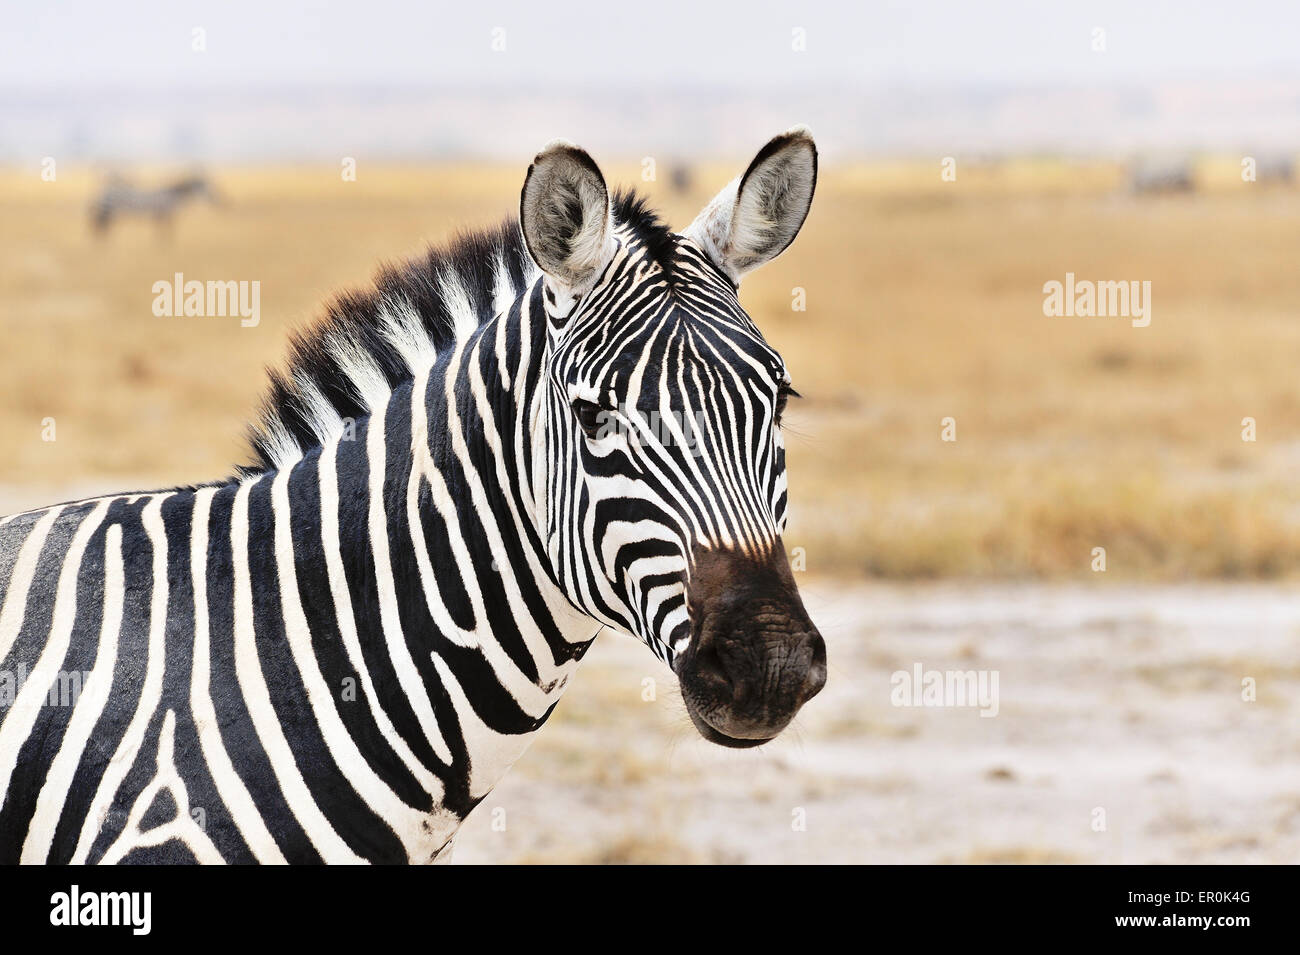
(639, 43)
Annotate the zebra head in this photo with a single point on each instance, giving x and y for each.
(665, 486)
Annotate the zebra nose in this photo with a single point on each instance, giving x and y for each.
(761, 670)
(754, 657)
(743, 686)
(780, 677)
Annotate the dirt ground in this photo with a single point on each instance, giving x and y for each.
(1128, 700)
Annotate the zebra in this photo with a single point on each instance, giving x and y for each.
(120, 197)
(460, 478)
(1159, 176)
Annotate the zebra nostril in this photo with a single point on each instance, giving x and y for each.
(815, 676)
(710, 670)
(813, 682)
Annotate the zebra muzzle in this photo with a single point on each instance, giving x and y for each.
(754, 657)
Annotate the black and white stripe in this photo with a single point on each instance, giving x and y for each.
(334, 655)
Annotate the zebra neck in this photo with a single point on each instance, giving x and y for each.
(440, 562)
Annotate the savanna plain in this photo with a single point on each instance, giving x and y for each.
(1147, 711)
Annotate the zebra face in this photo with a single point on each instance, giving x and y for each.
(665, 496)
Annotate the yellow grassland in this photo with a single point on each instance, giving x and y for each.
(924, 300)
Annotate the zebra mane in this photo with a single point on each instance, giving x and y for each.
(347, 363)
(634, 212)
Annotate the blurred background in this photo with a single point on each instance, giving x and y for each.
(970, 154)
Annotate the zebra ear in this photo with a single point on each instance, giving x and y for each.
(755, 217)
(565, 216)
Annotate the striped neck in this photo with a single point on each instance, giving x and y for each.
(438, 562)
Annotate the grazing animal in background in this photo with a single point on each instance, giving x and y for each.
(1155, 177)
(679, 176)
(540, 431)
(121, 198)
(1275, 169)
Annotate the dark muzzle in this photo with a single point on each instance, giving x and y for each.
(754, 656)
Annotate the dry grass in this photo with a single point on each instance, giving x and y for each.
(924, 301)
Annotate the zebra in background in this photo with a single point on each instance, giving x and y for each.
(122, 198)
(1159, 176)
(1275, 168)
(462, 476)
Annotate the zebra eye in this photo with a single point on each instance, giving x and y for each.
(590, 416)
(784, 394)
